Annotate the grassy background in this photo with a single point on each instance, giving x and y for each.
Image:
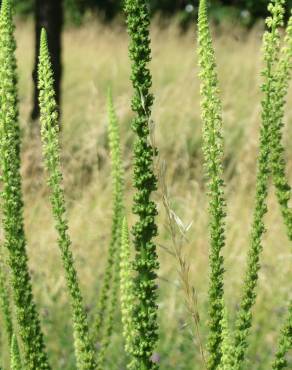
(95, 57)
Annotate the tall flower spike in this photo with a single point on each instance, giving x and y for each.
(282, 77)
(12, 203)
(271, 55)
(51, 153)
(109, 294)
(145, 182)
(278, 165)
(213, 152)
(15, 361)
(127, 298)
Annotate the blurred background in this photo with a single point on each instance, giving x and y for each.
(89, 46)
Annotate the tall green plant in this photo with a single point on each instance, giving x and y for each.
(145, 182)
(12, 203)
(213, 152)
(109, 294)
(271, 55)
(51, 153)
(278, 165)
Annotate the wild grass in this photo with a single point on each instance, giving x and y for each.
(86, 168)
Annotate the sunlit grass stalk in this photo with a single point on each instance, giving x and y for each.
(178, 233)
(145, 183)
(51, 153)
(271, 55)
(12, 203)
(109, 294)
(213, 152)
(127, 297)
(15, 361)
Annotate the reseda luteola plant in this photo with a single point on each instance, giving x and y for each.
(213, 152)
(27, 317)
(145, 182)
(270, 162)
(244, 316)
(109, 294)
(227, 346)
(51, 153)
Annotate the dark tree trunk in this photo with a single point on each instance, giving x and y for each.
(49, 14)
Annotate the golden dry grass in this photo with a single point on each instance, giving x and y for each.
(95, 57)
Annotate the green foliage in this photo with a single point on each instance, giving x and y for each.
(127, 297)
(12, 204)
(213, 152)
(146, 262)
(15, 361)
(51, 153)
(109, 294)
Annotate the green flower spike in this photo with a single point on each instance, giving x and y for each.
(213, 152)
(145, 182)
(27, 317)
(51, 153)
(109, 294)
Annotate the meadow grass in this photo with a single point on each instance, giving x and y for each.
(94, 57)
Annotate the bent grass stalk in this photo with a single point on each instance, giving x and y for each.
(213, 153)
(178, 235)
(51, 153)
(27, 317)
(145, 182)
